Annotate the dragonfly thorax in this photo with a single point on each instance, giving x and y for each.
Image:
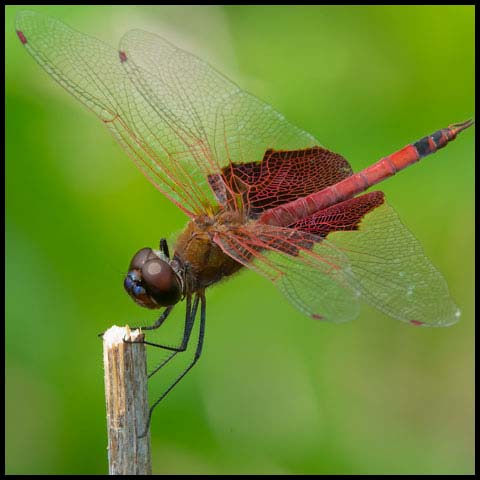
(196, 249)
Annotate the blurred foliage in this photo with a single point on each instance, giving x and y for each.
(274, 392)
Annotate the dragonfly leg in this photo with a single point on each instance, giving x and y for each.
(189, 318)
(157, 324)
(164, 247)
(198, 352)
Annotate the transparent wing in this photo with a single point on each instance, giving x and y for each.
(379, 261)
(178, 118)
(393, 272)
(313, 275)
(233, 125)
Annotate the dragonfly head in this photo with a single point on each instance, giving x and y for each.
(151, 281)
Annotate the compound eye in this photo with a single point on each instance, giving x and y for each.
(161, 282)
(140, 258)
(158, 275)
(151, 282)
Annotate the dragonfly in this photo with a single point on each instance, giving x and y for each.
(259, 193)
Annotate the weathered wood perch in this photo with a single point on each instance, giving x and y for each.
(127, 402)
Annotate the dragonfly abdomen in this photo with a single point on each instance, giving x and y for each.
(304, 207)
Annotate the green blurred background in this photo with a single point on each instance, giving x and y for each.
(274, 392)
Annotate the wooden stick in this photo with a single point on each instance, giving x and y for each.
(127, 402)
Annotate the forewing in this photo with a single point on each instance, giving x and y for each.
(92, 72)
(177, 117)
(235, 126)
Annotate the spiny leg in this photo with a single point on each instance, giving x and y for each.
(198, 352)
(164, 247)
(186, 337)
(157, 323)
(189, 318)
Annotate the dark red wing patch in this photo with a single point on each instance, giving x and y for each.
(342, 216)
(281, 177)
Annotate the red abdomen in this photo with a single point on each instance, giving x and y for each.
(302, 208)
